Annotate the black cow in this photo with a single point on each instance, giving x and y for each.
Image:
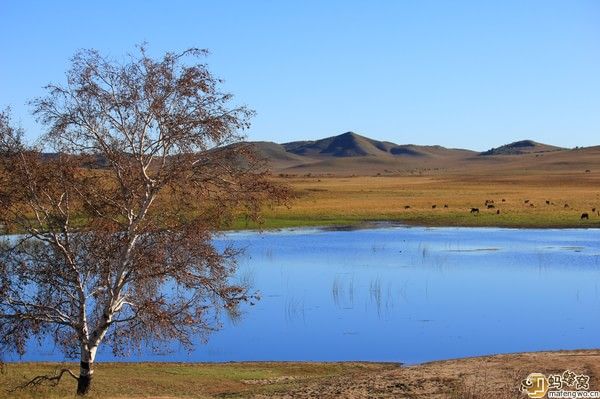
(585, 216)
(474, 210)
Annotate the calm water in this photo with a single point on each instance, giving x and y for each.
(407, 295)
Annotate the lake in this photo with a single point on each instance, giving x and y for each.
(406, 294)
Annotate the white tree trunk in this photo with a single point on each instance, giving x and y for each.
(86, 370)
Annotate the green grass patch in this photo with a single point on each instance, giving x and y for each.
(424, 218)
(180, 380)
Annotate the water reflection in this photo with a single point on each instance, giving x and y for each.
(342, 291)
(294, 310)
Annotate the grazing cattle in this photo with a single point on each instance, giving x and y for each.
(498, 212)
(490, 206)
(587, 171)
(474, 210)
(445, 205)
(585, 216)
(406, 206)
(566, 205)
(547, 202)
(527, 201)
(489, 202)
(593, 209)
(531, 205)
(433, 206)
(503, 200)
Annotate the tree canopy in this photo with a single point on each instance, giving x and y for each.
(115, 225)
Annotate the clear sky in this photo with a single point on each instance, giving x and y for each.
(474, 74)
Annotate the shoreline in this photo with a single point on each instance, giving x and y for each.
(368, 224)
(314, 362)
(343, 225)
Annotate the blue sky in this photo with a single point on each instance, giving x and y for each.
(472, 74)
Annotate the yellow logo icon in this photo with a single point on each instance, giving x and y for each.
(535, 385)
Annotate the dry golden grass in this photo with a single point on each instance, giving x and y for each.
(348, 200)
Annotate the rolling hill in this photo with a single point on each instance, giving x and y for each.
(353, 154)
(350, 144)
(521, 147)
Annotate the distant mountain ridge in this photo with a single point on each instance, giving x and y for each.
(352, 153)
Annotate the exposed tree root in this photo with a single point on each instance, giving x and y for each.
(53, 380)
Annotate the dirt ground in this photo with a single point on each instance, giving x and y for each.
(496, 377)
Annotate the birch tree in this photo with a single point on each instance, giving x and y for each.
(115, 226)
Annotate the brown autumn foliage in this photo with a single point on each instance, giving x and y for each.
(117, 226)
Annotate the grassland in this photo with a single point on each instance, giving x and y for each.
(175, 380)
(519, 198)
(487, 377)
